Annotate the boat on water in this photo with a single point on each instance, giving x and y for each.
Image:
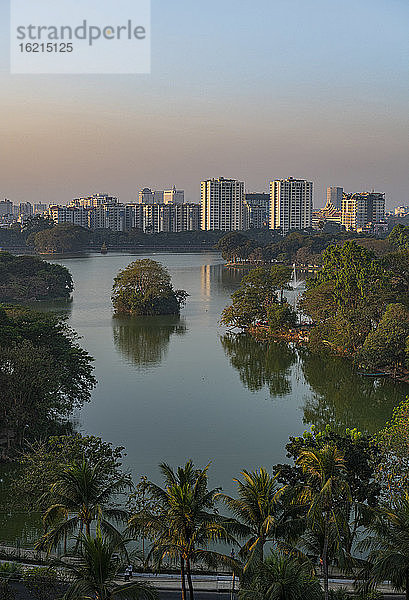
(380, 374)
(104, 249)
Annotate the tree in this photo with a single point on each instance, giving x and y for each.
(324, 495)
(399, 237)
(389, 556)
(282, 577)
(80, 496)
(346, 297)
(41, 464)
(387, 346)
(60, 239)
(44, 374)
(144, 288)
(94, 572)
(256, 296)
(184, 521)
(258, 508)
(392, 471)
(29, 278)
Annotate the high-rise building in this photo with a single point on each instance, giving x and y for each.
(148, 196)
(361, 209)
(74, 215)
(6, 207)
(256, 210)
(334, 197)
(222, 204)
(40, 209)
(26, 209)
(174, 196)
(290, 204)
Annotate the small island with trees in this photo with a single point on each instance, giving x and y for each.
(144, 288)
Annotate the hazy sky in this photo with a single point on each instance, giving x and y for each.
(254, 90)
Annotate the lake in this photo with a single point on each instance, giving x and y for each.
(171, 389)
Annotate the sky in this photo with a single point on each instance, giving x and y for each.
(253, 90)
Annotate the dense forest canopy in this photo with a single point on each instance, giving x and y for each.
(28, 278)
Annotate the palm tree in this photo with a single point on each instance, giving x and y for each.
(282, 577)
(258, 508)
(183, 522)
(95, 570)
(82, 494)
(325, 495)
(389, 557)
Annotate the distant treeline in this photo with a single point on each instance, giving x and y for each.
(303, 248)
(253, 246)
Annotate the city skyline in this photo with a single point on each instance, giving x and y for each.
(317, 90)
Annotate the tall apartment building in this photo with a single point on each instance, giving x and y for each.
(6, 207)
(222, 204)
(154, 218)
(360, 209)
(256, 210)
(26, 209)
(174, 196)
(334, 197)
(40, 208)
(290, 204)
(74, 215)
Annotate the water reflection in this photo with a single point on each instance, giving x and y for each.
(344, 398)
(221, 278)
(144, 341)
(260, 364)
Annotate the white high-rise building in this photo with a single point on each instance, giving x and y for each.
(222, 204)
(290, 204)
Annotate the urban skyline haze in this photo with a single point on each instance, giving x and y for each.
(315, 89)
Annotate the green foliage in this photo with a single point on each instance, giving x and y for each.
(360, 454)
(60, 239)
(259, 510)
(346, 298)
(28, 278)
(399, 237)
(324, 495)
(144, 288)
(388, 344)
(393, 469)
(94, 572)
(256, 296)
(389, 544)
(184, 522)
(42, 583)
(82, 494)
(281, 577)
(10, 570)
(44, 374)
(281, 316)
(41, 464)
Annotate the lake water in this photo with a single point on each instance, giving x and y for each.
(171, 389)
